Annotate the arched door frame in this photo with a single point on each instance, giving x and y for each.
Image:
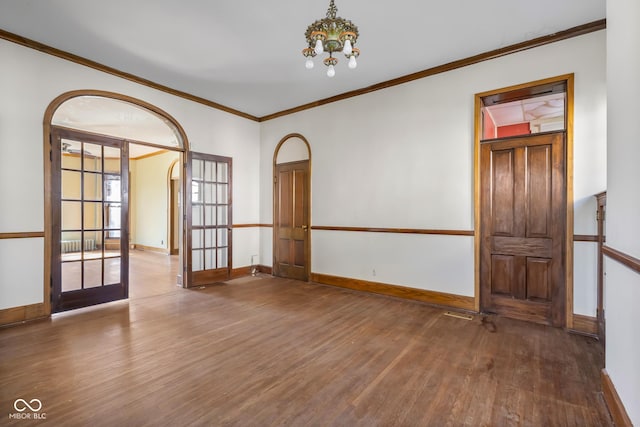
(47, 125)
(308, 185)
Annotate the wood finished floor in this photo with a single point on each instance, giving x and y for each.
(263, 351)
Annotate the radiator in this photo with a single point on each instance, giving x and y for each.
(74, 245)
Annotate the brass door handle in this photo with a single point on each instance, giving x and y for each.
(304, 227)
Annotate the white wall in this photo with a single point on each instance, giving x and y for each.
(622, 285)
(29, 81)
(403, 157)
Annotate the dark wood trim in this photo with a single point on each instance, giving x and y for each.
(493, 54)
(496, 53)
(22, 235)
(585, 238)
(612, 399)
(163, 148)
(240, 272)
(250, 225)
(396, 230)
(585, 325)
(430, 297)
(265, 269)
(625, 259)
(32, 44)
(24, 313)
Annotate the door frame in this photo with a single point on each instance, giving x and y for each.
(46, 306)
(568, 79)
(307, 248)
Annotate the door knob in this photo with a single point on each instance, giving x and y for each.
(304, 227)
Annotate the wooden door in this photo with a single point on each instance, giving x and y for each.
(523, 221)
(209, 210)
(291, 224)
(90, 182)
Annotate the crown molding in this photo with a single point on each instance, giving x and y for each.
(14, 38)
(497, 53)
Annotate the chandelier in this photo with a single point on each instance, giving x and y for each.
(331, 35)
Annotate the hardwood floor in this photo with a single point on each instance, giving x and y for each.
(152, 273)
(261, 351)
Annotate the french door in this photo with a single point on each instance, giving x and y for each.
(209, 221)
(89, 219)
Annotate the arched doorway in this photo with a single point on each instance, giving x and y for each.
(89, 138)
(292, 208)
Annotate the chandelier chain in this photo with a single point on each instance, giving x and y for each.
(332, 11)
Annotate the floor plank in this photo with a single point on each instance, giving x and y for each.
(263, 351)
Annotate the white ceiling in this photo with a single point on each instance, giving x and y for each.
(246, 54)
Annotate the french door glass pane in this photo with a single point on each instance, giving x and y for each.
(92, 186)
(222, 215)
(197, 239)
(223, 174)
(71, 276)
(209, 259)
(112, 160)
(72, 185)
(92, 215)
(92, 273)
(71, 215)
(92, 157)
(222, 237)
(197, 215)
(222, 257)
(197, 260)
(111, 271)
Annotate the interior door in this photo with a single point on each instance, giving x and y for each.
(291, 225)
(523, 220)
(89, 219)
(209, 220)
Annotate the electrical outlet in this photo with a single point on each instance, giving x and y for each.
(162, 242)
(374, 272)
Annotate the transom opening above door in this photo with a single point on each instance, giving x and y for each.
(524, 111)
(120, 119)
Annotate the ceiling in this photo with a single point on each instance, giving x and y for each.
(246, 55)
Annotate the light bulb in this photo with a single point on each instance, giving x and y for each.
(309, 63)
(352, 62)
(319, 49)
(347, 47)
(331, 71)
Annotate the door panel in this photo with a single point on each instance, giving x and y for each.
(291, 224)
(89, 219)
(523, 216)
(209, 209)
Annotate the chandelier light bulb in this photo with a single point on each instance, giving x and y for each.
(331, 71)
(309, 63)
(347, 50)
(352, 62)
(319, 49)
